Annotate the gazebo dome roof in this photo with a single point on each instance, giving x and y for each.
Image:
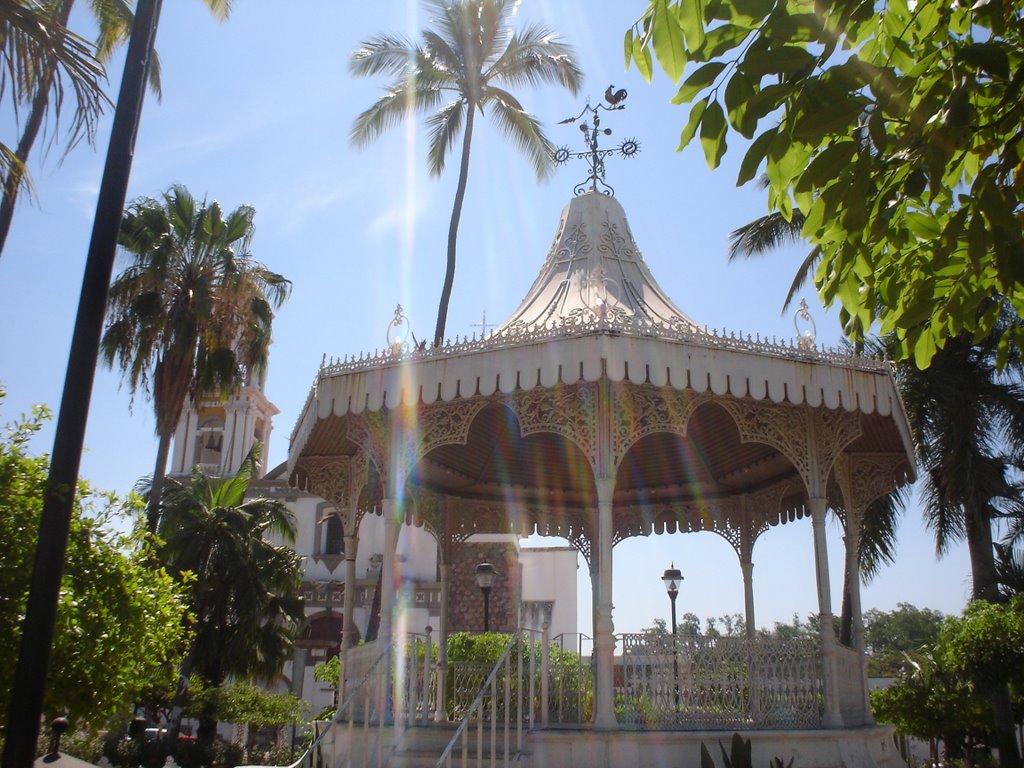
(594, 271)
(515, 414)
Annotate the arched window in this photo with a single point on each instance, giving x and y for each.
(334, 536)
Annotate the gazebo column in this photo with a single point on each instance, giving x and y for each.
(604, 628)
(387, 582)
(832, 717)
(348, 631)
(441, 711)
(853, 525)
(747, 565)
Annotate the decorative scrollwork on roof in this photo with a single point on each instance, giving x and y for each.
(523, 334)
(833, 431)
(866, 477)
(781, 426)
(327, 477)
(444, 424)
(369, 430)
(594, 155)
(570, 411)
(641, 410)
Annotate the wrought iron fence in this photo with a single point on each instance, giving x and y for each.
(732, 683)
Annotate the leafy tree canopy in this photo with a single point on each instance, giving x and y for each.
(243, 703)
(943, 688)
(890, 635)
(120, 631)
(896, 128)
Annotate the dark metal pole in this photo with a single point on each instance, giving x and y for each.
(29, 686)
(487, 608)
(675, 642)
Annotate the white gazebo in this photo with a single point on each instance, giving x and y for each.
(600, 411)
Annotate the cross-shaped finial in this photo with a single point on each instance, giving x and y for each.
(483, 325)
(594, 154)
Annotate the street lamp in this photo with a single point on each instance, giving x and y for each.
(485, 576)
(673, 579)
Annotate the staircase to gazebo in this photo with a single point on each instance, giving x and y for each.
(535, 704)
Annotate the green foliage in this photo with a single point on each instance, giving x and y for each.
(120, 630)
(129, 753)
(986, 643)
(192, 312)
(895, 128)
(931, 701)
(243, 703)
(243, 588)
(328, 671)
(943, 690)
(890, 635)
(738, 756)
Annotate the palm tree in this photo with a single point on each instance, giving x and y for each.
(192, 313)
(44, 90)
(967, 418)
(41, 60)
(462, 67)
(243, 589)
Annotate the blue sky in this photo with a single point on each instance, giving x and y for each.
(257, 110)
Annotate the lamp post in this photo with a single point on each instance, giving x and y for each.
(673, 579)
(485, 576)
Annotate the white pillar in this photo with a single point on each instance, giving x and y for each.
(831, 718)
(604, 637)
(387, 580)
(348, 639)
(853, 524)
(441, 712)
(748, 597)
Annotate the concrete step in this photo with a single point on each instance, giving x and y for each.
(421, 746)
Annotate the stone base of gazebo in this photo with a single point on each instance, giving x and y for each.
(868, 747)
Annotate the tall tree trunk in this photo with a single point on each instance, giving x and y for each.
(846, 613)
(985, 583)
(29, 684)
(40, 102)
(453, 229)
(984, 578)
(157, 488)
(177, 707)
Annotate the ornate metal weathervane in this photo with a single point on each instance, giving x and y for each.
(594, 154)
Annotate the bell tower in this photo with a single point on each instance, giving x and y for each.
(217, 434)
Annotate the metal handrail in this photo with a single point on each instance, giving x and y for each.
(477, 704)
(339, 712)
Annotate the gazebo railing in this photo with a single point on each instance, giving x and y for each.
(717, 683)
(570, 680)
(493, 723)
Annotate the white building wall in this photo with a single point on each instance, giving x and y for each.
(549, 575)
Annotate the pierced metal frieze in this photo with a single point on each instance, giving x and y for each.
(570, 411)
(865, 477)
(641, 410)
(833, 431)
(446, 423)
(328, 477)
(783, 427)
(370, 431)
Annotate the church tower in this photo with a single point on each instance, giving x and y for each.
(217, 434)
